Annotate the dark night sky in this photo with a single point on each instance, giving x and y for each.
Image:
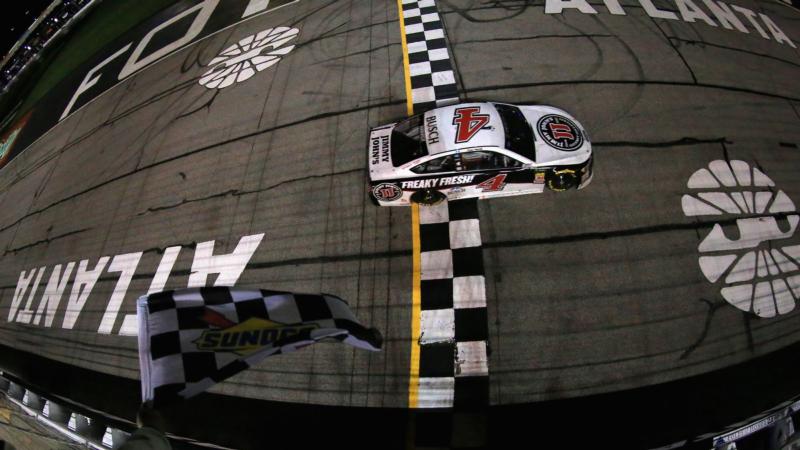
(16, 18)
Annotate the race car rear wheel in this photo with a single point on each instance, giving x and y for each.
(561, 180)
(427, 197)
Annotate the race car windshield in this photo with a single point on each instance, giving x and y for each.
(519, 136)
(408, 141)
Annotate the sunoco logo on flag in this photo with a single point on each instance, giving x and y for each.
(193, 338)
(249, 336)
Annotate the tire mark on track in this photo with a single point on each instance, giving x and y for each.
(684, 141)
(667, 352)
(362, 52)
(239, 193)
(44, 241)
(43, 333)
(515, 10)
(675, 49)
(629, 82)
(692, 42)
(316, 117)
(73, 357)
(601, 235)
(388, 254)
(713, 307)
(534, 37)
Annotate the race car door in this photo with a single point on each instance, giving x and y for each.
(497, 174)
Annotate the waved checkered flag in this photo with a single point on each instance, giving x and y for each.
(191, 339)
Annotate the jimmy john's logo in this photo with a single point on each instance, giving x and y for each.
(380, 150)
(560, 132)
(387, 192)
(251, 335)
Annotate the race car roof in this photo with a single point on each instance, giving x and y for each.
(466, 125)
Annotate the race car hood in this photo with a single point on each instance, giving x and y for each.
(560, 139)
(463, 126)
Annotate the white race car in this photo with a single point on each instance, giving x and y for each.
(478, 150)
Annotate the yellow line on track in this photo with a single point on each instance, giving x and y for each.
(413, 376)
(413, 379)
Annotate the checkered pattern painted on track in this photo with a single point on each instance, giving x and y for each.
(453, 330)
(433, 81)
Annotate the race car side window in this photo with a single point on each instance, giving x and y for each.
(438, 165)
(487, 160)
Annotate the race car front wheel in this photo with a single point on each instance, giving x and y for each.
(427, 197)
(561, 180)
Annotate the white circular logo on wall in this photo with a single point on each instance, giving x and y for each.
(759, 272)
(252, 54)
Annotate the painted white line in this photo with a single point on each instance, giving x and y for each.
(421, 68)
(442, 78)
(434, 34)
(434, 214)
(465, 233)
(437, 325)
(438, 54)
(424, 94)
(436, 265)
(416, 47)
(436, 392)
(255, 6)
(469, 292)
(471, 359)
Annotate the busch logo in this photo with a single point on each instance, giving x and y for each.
(468, 122)
(756, 271)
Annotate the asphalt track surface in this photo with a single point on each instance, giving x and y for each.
(589, 292)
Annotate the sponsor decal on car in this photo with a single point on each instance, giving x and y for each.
(387, 192)
(438, 182)
(380, 150)
(431, 130)
(538, 178)
(560, 132)
(468, 122)
(497, 183)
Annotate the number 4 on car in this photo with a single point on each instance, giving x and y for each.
(477, 150)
